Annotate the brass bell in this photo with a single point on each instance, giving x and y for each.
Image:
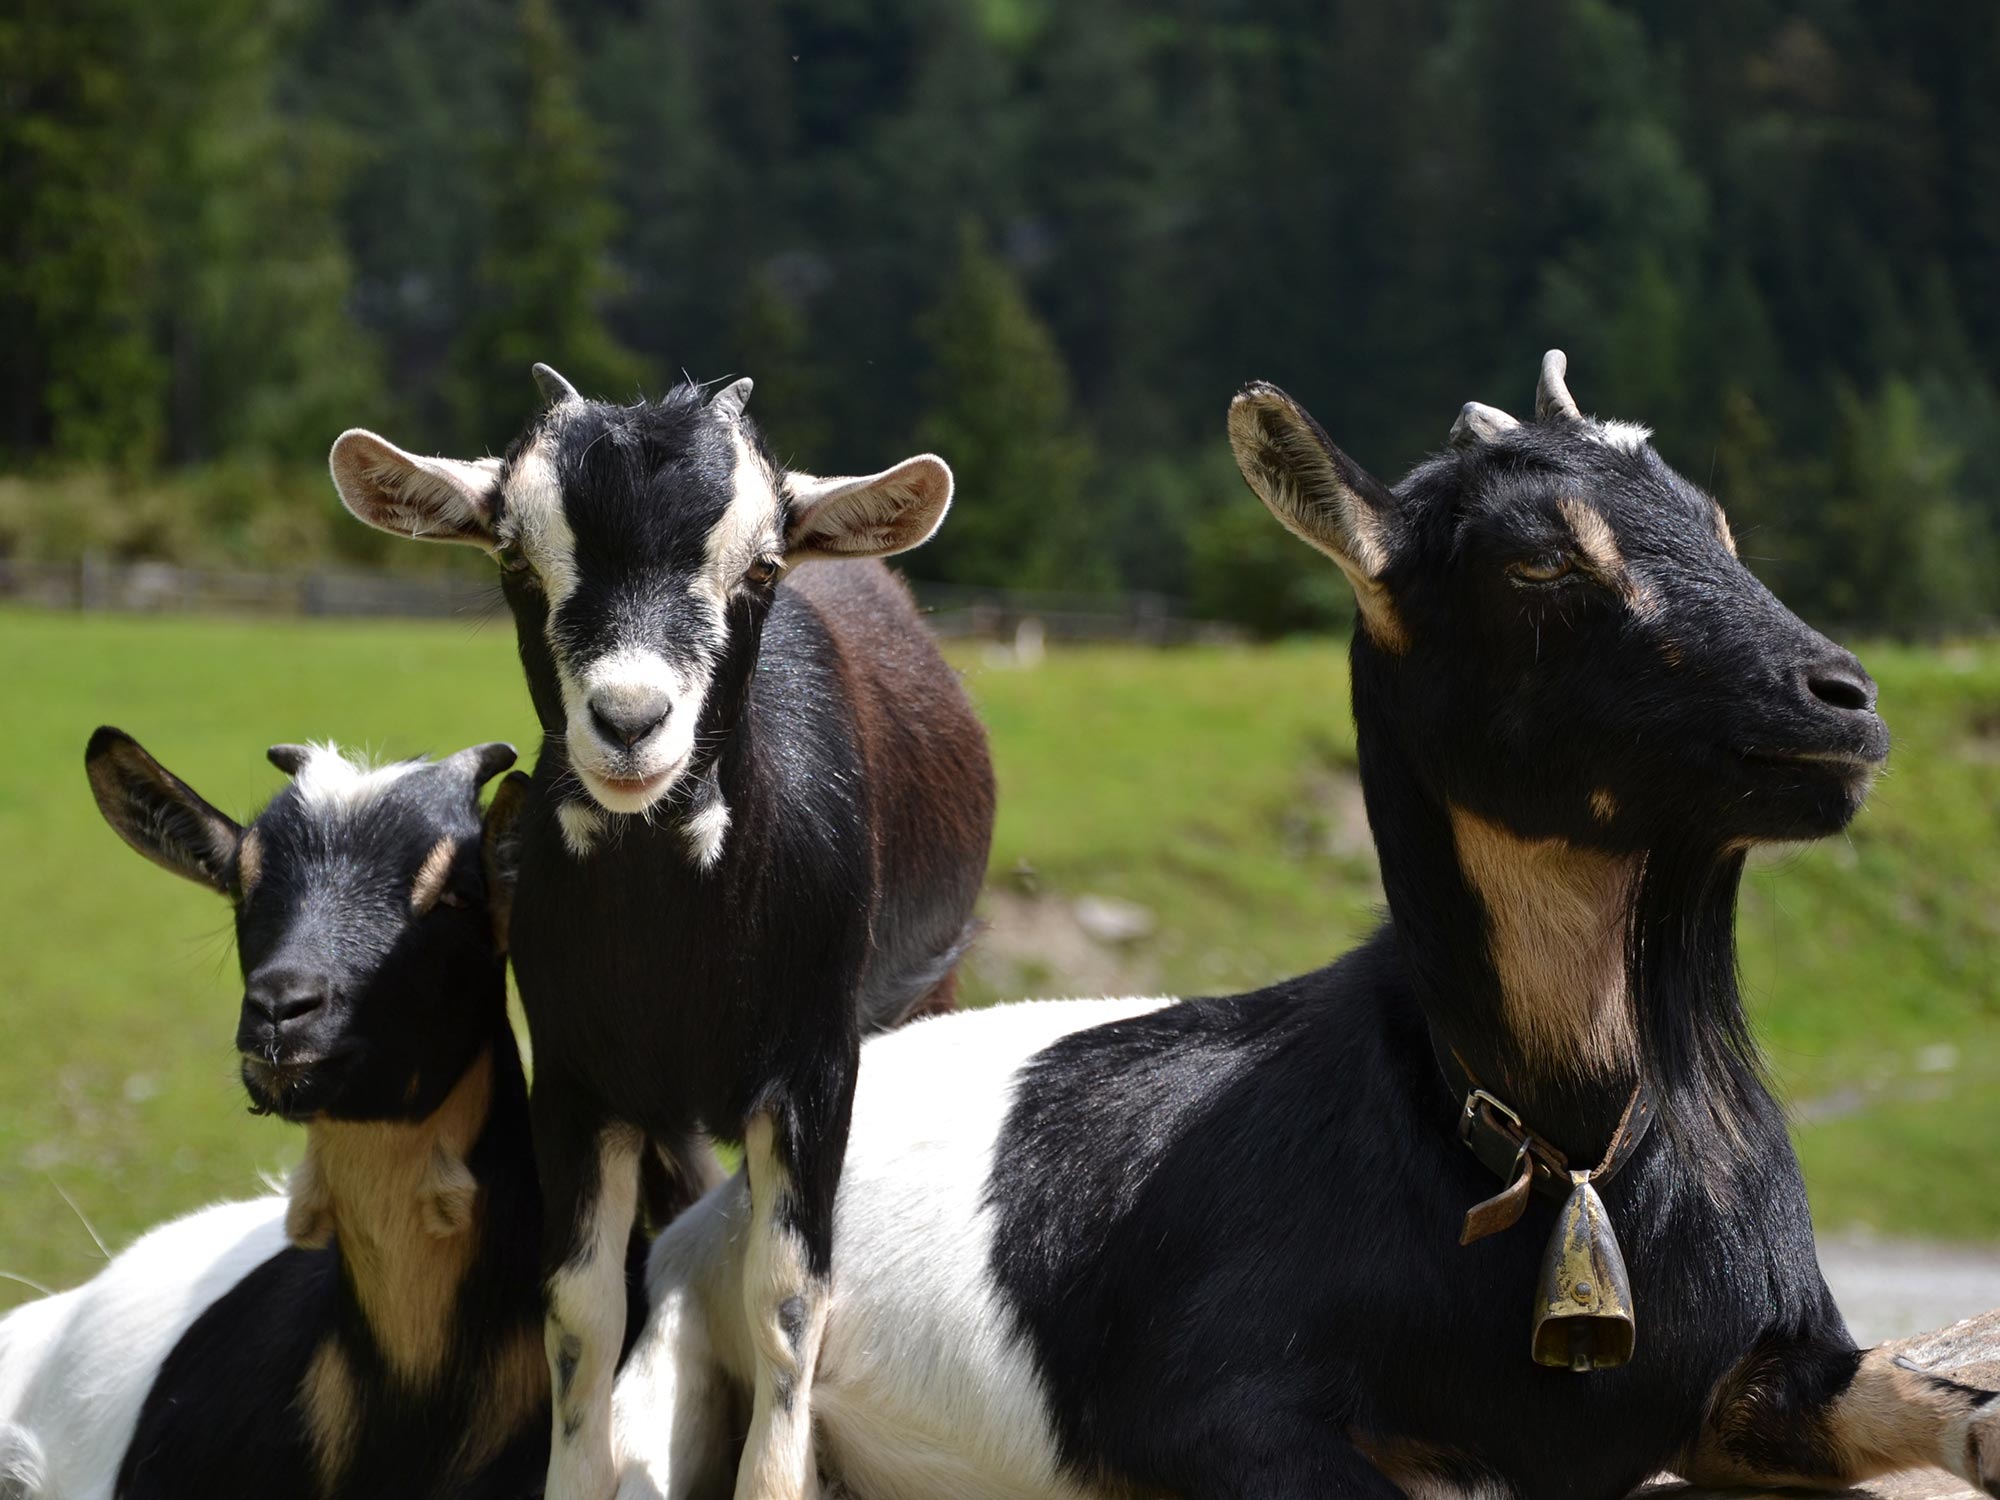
(1583, 1306)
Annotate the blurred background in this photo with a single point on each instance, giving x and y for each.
(1047, 240)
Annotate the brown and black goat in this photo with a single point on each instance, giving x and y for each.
(756, 830)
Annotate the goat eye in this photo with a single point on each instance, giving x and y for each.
(513, 560)
(761, 572)
(1546, 568)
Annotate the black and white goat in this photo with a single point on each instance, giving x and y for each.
(757, 827)
(379, 1331)
(1212, 1249)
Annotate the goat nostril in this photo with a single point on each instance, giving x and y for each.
(1854, 691)
(297, 1007)
(625, 730)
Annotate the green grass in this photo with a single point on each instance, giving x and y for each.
(1211, 786)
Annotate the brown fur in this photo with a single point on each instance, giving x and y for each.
(332, 1411)
(1556, 929)
(516, 1394)
(1722, 530)
(249, 864)
(1599, 546)
(1890, 1417)
(928, 769)
(399, 1199)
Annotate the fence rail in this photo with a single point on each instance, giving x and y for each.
(96, 583)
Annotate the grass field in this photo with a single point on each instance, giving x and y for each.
(1205, 798)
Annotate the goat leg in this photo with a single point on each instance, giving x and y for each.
(1816, 1411)
(590, 1192)
(792, 1151)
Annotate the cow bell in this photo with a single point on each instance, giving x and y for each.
(1583, 1306)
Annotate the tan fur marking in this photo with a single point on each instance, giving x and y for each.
(398, 1197)
(515, 1391)
(249, 863)
(1556, 925)
(1889, 1418)
(1722, 530)
(331, 1406)
(1419, 1470)
(431, 876)
(1599, 546)
(1603, 806)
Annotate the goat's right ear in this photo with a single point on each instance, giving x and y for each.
(428, 499)
(501, 851)
(1321, 496)
(160, 815)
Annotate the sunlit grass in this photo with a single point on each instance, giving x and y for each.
(1211, 786)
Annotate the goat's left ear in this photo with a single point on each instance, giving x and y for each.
(501, 851)
(160, 815)
(871, 516)
(426, 499)
(1322, 496)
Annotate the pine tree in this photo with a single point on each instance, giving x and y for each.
(999, 411)
(546, 271)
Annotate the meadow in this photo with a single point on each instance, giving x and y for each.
(1182, 820)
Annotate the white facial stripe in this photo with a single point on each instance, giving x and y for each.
(747, 527)
(534, 522)
(331, 780)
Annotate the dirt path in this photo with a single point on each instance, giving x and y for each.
(1893, 1288)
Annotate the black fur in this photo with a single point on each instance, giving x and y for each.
(1229, 1230)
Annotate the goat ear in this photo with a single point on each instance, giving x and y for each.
(874, 515)
(427, 499)
(158, 814)
(1320, 495)
(501, 851)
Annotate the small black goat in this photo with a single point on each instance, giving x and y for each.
(757, 828)
(1214, 1249)
(395, 1346)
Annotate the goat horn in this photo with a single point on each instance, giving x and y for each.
(555, 390)
(1479, 423)
(1552, 397)
(290, 759)
(732, 398)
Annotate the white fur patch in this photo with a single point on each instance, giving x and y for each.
(331, 780)
(586, 1302)
(76, 1368)
(1628, 437)
(581, 824)
(747, 528)
(923, 1388)
(635, 681)
(707, 825)
(534, 522)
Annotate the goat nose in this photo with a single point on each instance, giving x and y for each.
(626, 723)
(284, 997)
(1842, 683)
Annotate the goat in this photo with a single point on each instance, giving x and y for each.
(1214, 1248)
(378, 1332)
(757, 828)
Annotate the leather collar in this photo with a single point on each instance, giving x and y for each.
(1521, 1156)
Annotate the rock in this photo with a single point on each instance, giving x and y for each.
(1967, 1352)
(1110, 920)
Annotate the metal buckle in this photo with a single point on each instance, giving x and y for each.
(1471, 1115)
